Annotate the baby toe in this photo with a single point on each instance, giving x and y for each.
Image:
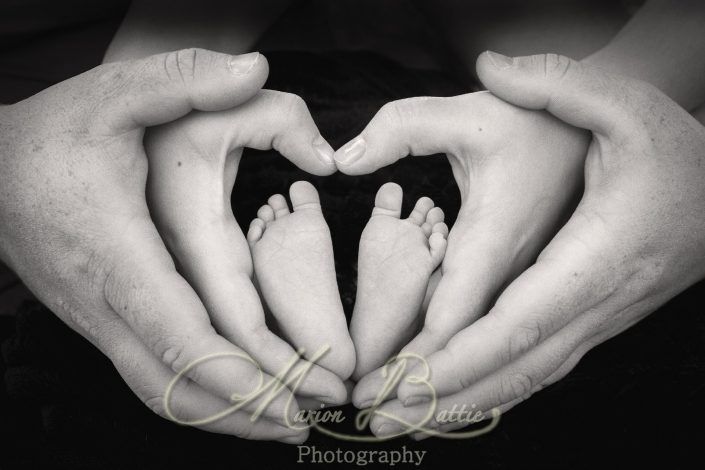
(438, 243)
(254, 233)
(304, 196)
(266, 214)
(435, 216)
(278, 205)
(388, 200)
(418, 215)
(441, 228)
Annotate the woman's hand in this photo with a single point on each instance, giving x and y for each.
(77, 230)
(636, 239)
(193, 164)
(519, 173)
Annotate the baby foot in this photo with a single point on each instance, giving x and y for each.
(396, 259)
(293, 260)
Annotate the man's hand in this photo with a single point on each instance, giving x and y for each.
(77, 230)
(636, 239)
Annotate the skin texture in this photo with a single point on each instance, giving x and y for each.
(77, 229)
(193, 164)
(515, 192)
(396, 260)
(293, 258)
(636, 239)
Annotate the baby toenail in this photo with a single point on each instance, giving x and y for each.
(353, 151)
(323, 150)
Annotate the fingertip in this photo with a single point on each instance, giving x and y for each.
(325, 154)
(361, 395)
(296, 439)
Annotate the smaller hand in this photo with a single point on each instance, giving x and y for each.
(193, 163)
(519, 173)
(636, 239)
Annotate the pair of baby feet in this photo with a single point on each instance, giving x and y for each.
(287, 256)
(292, 254)
(517, 171)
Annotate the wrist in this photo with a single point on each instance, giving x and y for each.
(653, 71)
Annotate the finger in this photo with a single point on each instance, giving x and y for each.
(567, 281)
(283, 122)
(413, 126)
(145, 290)
(236, 311)
(201, 232)
(238, 315)
(270, 120)
(150, 380)
(575, 92)
(164, 87)
(502, 389)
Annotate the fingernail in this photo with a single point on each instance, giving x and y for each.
(327, 400)
(416, 400)
(365, 404)
(500, 61)
(353, 151)
(323, 150)
(242, 64)
(295, 439)
(388, 429)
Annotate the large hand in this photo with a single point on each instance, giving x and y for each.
(519, 173)
(76, 227)
(636, 239)
(193, 163)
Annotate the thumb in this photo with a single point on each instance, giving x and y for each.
(577, 93)
(411, 126)
(164, 87)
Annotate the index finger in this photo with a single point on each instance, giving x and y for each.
(145, 290)
(563, 284)
(412, 126)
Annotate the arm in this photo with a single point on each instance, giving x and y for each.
(153, 26)
(663, 44)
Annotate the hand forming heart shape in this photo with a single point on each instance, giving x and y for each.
(507, 193)
(519, 171)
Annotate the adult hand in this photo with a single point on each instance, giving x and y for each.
(519, 173)
(77, 230)
(193, 164)
(636, 239)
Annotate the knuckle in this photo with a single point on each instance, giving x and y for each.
(119, 290)
(556, 66)
(524, 337)
(243, 431)
(172, 352)
(397, 113)
(185, 62)
(156, 404)
(294, 105)
(513, 386)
